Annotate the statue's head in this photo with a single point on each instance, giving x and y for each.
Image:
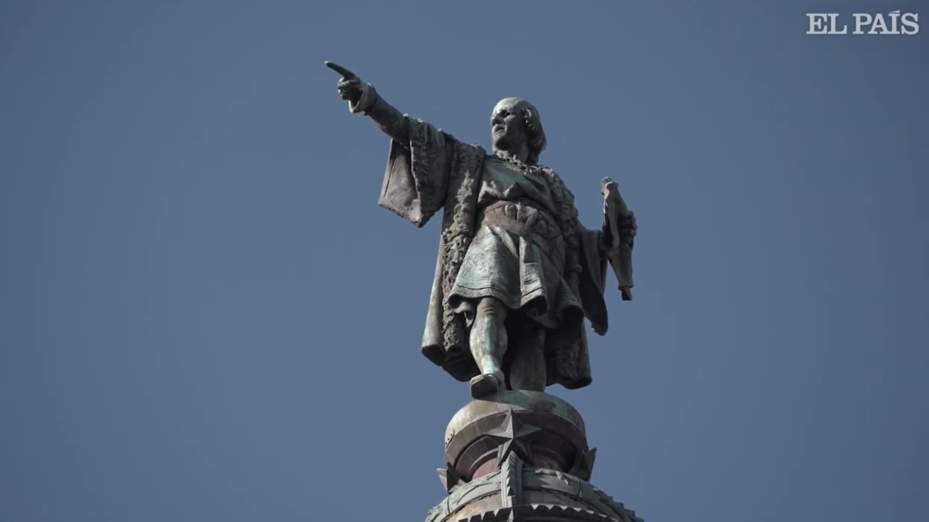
(515, 124)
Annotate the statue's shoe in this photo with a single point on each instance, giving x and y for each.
(485, 385)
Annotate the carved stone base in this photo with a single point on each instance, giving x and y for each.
(521, 457)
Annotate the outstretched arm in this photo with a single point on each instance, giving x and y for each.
(421, 158)
(389, 119)
(363, 98)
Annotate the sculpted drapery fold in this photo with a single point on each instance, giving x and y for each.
(433, 171)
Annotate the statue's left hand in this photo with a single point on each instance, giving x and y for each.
(628, 227)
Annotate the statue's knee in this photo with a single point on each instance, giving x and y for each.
(491, 308)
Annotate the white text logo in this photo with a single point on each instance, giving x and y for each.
(893, 23)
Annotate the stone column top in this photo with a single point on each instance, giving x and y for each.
(517, 401)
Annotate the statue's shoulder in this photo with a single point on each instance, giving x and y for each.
(470, 151)
(451, 140)
(548, 171)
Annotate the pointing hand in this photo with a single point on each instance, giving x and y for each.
(350, 86)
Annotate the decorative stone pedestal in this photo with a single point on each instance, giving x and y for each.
(521, 457)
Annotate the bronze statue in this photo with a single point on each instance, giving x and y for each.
(516, 273)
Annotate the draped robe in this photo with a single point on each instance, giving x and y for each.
(435, 171)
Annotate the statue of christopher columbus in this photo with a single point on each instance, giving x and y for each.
(517, 273)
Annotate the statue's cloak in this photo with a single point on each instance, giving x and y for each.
(434, 171)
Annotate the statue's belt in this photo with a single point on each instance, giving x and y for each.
(523, 219)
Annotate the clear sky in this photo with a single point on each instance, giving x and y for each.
(204, 315)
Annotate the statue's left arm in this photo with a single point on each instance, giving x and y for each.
(612, 245)
(590, 261)
(619, 230)
(592, 278)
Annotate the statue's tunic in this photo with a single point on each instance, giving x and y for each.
(518, 253)
(503, 235)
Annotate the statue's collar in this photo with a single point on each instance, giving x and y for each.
(522, 165)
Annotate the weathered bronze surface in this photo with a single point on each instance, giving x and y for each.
(517, 272)
(521, 457)
(516, 276)
(543, 430)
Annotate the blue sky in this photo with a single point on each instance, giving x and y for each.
(205, 316)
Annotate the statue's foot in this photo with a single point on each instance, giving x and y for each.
(485, 384)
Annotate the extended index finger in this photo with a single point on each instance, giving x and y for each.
(348, 75)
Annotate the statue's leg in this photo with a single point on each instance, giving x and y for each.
(528, 368)
(488, 345)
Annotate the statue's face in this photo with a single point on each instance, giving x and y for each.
(506, 125)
